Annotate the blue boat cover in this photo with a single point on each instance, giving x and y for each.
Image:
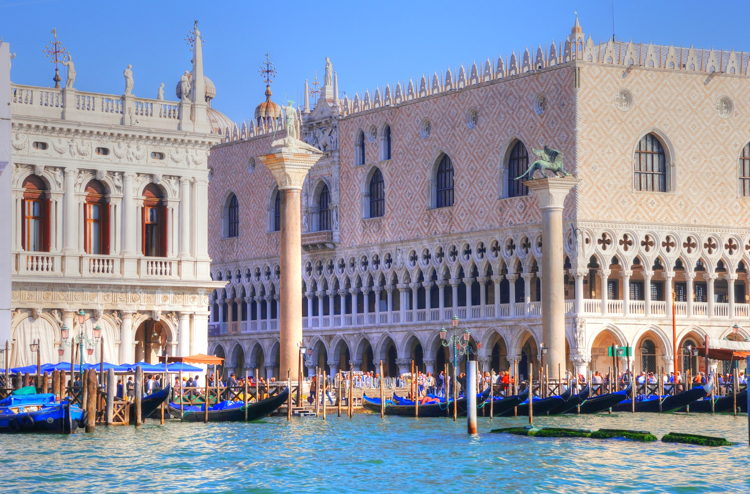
(33, 399)
(183, 367)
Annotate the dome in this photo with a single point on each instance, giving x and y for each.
(219, 122)
(210, 88)
(268, 109)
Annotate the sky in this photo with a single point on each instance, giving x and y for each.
(371, 44)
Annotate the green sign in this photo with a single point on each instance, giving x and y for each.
(622, 351)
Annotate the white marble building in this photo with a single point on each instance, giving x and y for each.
(5, 194)
(109, 201)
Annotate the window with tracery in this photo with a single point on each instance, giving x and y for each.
(650, 165)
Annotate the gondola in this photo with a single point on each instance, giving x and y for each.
(440, 409)
(39, 412)
(150, 403)
(666, 403)
(721, 404)
(601, 403)
(500, 405)
(231, 411)
(573, 400)
(541, 406)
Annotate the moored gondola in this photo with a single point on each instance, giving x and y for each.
(150, 403)
(436, 409)
(231, 411)
(666, 403)
(39, 412)
(601, 403)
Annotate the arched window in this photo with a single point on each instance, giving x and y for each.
(650, 165)
(386, 152)
(359, 149)
(648, 356)
(324, 209)
(377, 195)
(745, 171)
(274, 216)
(154, 222)
(96, 219)
(444, 183)
(518, 163)
(232, 217)
(35, 215)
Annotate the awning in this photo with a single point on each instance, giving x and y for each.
(726, 350)
(196, 359)
(183, 367)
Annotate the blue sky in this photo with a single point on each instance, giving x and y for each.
(370, 43)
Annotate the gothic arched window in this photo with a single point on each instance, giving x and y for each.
(650, 165)
(324, 209)
(744, 171)
(359, 149)
(386, 152)
(376, 189)
(96, 219)
(232, 217)
(35, 215)
(444, 183)
(518, 163)
(275, 216)
(154, 222)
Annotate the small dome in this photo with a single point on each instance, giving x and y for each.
(268, 109)
(210, 88)
(219, 122)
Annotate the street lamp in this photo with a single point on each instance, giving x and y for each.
(302, 351)
(460, 344)
(80, 340)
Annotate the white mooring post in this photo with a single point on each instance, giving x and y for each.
(747, 361)
(471, 393)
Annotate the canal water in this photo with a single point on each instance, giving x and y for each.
(367, 454)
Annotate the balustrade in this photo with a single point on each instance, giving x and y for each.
(700, 308)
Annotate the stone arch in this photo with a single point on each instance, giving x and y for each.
(320, 355)
(274, 359)
(237, 362)
(434, 170)
(365, 355)
(599, 344)
(26, 330)
(496, 347)
(152, 339)
(662, 349)
(387, 351)
(528, 352)
(257, 360)
(414, 350)
(515, 151)
(669, 154)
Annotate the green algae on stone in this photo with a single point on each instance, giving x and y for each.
(642, 436)
(677, 437)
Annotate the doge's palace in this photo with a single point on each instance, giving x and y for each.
(109, 200)
(414, 215)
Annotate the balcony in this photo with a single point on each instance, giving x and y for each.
(317, 241)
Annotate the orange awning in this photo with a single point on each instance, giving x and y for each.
(197, 359)
(723, 353)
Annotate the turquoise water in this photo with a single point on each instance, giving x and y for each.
(367, 454)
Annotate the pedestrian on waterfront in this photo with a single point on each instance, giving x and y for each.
(441, 383)
(327, 388)
(313, 389)
(130, 387)
(120, 389)
(232, 381)
(150, 384)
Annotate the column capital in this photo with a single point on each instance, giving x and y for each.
(580, 273)
(441, 283)
(320, 293)
(290, 161)
(71, 172)
(415, 285)
(626, 273)
(333, 293)
(343, 292)
(402, 286)
(604, 273)
(511, 277)
(690, 275)
(730, 276)
(648, 274)
(482, 279)
(454, 281)
(550, 192)
(353, 291)
(497, 278)
(710, 276)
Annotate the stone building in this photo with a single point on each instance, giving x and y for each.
(109, 212)
(5, 193)
(414, 215)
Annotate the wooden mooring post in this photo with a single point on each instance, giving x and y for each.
(735, 385)
(317, 391)
(382, 392)
(206, 398)
(531, 394)
(492, 394)
(91, 386)
(257, 386)
(244, 395)
(324, 385)
(339, 393)
(111, 387)
(350, 398)
(288, 396)
(138, 395)
(446, 391)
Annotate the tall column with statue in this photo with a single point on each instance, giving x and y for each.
(289, 161)
(550, 193)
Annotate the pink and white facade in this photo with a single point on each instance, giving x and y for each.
(413, 216)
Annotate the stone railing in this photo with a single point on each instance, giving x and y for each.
(38, 263)
(107, 109)
(104, 266)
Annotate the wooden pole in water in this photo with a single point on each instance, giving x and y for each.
(38, 380)
(289, 396)
(45, 383)
(317, 391)
(660, 386)
(454, 381)
(735, 383)
(92, 399)
(382, 392)
(257, 386)
(350, 399)
(559, 379)
(207, 399)
(339, 392)
(138, 394)
(531, 394)
(492, 393)
(471, 393)
(182, 404)
(63, 380)
(415, 384)
(110, 396)
(747, 404)
(446, 388)
(633, 388)
(323, 394)
(713, 404)
(244, 395)
(55, 385)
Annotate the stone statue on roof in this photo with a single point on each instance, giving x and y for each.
(160, 92)
(292, 141)
(185, 86)
(71, 72)
(328, 79)
(128, 75)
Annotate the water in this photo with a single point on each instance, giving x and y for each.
(367, 454)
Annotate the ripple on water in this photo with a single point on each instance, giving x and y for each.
(367, 453)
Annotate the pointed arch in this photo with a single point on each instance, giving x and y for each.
(442, 183)
(516, 164)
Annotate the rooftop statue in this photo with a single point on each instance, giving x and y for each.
(160, 92)
(328, 77)
(550, 159)
(128, 75)
(71, 72)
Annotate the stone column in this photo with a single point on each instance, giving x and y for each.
(320, 296)
(550, 193)
(199, 335)
(603, 277)
(710, 279)
(731, 278)
(365, 304)
(402, 287)
(454, 296)
(183, 328)
(626, 292)
(127, 347)
(668, 290)
(527, 277)
(404, 365)
(129, 228)
(376, 293)
(512, 293)
(353, 293)
(690, 295)
(441, 299)
(414, 300)
(497, 279)
(289, 162)
(331, 305)
(184, 217)
(71, 223)
(389, 304)
(482, 292)
(579, 275)
(647, 275)
(429, 366)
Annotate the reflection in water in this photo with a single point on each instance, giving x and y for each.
(366, 454)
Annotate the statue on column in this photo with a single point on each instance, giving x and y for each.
(128, 75)
(550, 160)
(71, 72)
(328, 79)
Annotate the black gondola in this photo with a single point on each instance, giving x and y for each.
(668, 403)
(150, 403)
(500, 405)
(572, 401)
(542, 406)
(439, 409)
(601, 403)
(236, 412)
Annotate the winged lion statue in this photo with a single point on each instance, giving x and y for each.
(549, 160)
